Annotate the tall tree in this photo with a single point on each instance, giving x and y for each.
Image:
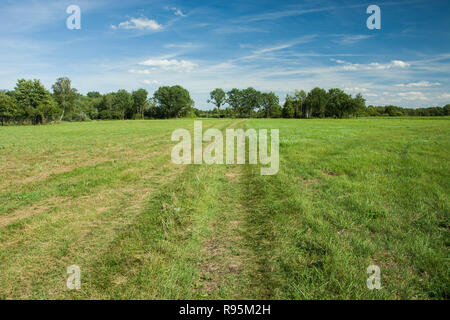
(288, 107)
(234, 99)
(140, 103)
(34, 102)
(250, 100)
(152, 110)
(122, 103)
(269, 103)
(217, 97)
(107, 102)
(7, 108)
(173, 102)
(94, 94)
(339, 103)
(298, 101)
(64, 95)
(357, 105)
(316, 103)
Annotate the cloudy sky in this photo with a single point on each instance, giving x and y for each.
(275, 46)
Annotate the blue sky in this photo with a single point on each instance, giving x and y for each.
(275, 46)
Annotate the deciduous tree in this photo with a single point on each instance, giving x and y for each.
(64, 95)
(173, 102)
(7, 108)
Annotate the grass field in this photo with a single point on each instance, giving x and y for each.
(106, 196)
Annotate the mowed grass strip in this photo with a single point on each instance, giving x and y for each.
(349, 194)
(158, 255)
(70, 217)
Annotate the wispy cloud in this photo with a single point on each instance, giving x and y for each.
(372, 66)
(142, 23)
(274, 15)
(278, 47)
(350, 38)
(412, 95)
(176, 11)
(418, 84)
(167, 64)
(187, 45)
(282, 14)
(231, 29)
(139, 71)
(151, 82)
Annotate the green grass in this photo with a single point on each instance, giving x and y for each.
(106, 196)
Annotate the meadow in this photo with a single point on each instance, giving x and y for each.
(105, 195)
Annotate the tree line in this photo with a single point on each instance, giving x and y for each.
(317, 103)
(31, 102)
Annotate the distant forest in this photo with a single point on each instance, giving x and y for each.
(31, 103)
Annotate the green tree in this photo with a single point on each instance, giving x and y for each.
(298, 102)
(94, 94)
(338, 103)
(7, 108)
(173, 102)
(269, 103)
(357, 105)
(64, 95)
(394, 111)
(105, 107)
(234, 100)
(250, 99)
(140, 103)
(288, 108)
(85, 108)
(34, 102)
(217, 97)
(152, 110)
(122, 103)
(316, 103)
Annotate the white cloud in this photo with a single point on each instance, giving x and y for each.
(412, 95)
(187, 45)
(351, 39)
(356, 89)
(140, 24)
(418, 84)
(282, 14)
(166, 64)
(176, 11)
(364, 91)
(145, 71)
(373, 65)
(151, 82)
(399, 63)
(231, 28)
(268, 50)
(444, 96)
